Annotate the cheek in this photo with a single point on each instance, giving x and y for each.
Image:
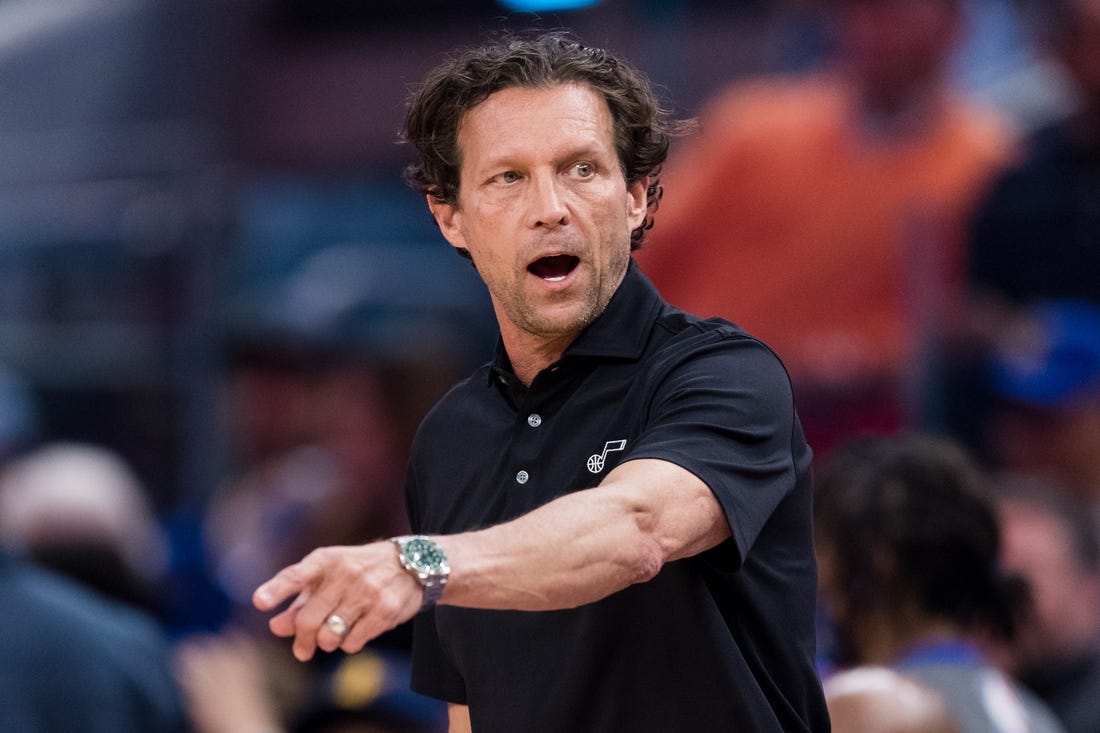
(478, 226)
(491, 261)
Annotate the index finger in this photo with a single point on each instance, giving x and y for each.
(289, 581)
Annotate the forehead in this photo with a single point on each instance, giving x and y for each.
(530, 119)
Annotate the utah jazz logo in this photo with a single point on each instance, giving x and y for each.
(596, 460)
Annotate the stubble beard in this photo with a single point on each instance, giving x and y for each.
(569, 319)
(534, 319)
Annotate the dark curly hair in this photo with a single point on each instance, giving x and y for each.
(911, 519)
(642, 127)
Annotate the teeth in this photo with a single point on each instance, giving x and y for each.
(556, 279)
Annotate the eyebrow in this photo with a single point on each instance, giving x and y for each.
(506, 161)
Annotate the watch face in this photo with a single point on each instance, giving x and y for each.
(425, 555)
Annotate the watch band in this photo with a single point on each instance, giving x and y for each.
(433, 591)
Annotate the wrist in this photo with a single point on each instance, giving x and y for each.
(425, 560)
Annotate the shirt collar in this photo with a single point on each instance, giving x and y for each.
(620, 332)
(953, 652)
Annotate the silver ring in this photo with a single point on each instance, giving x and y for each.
(337, 625)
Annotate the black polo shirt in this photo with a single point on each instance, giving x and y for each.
(718, 642)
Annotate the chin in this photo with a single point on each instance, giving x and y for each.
(563, 322)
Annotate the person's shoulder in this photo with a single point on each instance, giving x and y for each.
(686, 335)
(55, 601)
(983, 128)
(677, 323)
(83, 649)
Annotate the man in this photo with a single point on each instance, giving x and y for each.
(824, 212)
(622, 495)
(1052, 542)
(1035, 236)
(908, 544)
(77, 661)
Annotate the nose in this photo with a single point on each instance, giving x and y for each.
(547, 207)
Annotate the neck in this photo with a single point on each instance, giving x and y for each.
(899, 115)
(885, 638)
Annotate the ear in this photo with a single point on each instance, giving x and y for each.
(449, 219)
(637, 202)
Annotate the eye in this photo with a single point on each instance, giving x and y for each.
(507, 177)
(584, 170)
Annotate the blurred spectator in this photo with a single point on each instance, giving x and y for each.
(76, 662)
(1052, 543)
(824, 213)
(80, 510)
(1045, 376)
(318, 434)
(1036, 235)
(327, 468)
(909, 555)
(879, 700)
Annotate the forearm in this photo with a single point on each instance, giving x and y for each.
(574, 550)
(458, 717)
(586, 545)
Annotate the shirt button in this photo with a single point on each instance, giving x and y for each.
(534, 420)
(522, 477)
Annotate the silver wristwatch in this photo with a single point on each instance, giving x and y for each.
(427, 562)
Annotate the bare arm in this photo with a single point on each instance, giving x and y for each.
(578, 548)
(458, 718)
(587, 545)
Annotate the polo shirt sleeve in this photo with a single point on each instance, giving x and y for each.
(722, 408)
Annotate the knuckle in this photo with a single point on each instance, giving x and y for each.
(390, 606)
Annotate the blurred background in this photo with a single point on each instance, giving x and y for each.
(223, 314)
(187, 184)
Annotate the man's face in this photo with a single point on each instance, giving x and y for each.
(543, 208)
(1065, 594)
(891, 46)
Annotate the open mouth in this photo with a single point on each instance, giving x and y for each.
(554, 268)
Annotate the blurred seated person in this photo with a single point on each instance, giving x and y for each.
(1051, 542)
(879, 700)
(73, 661)
(825, 213)
(80, 510)
(909, 557)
